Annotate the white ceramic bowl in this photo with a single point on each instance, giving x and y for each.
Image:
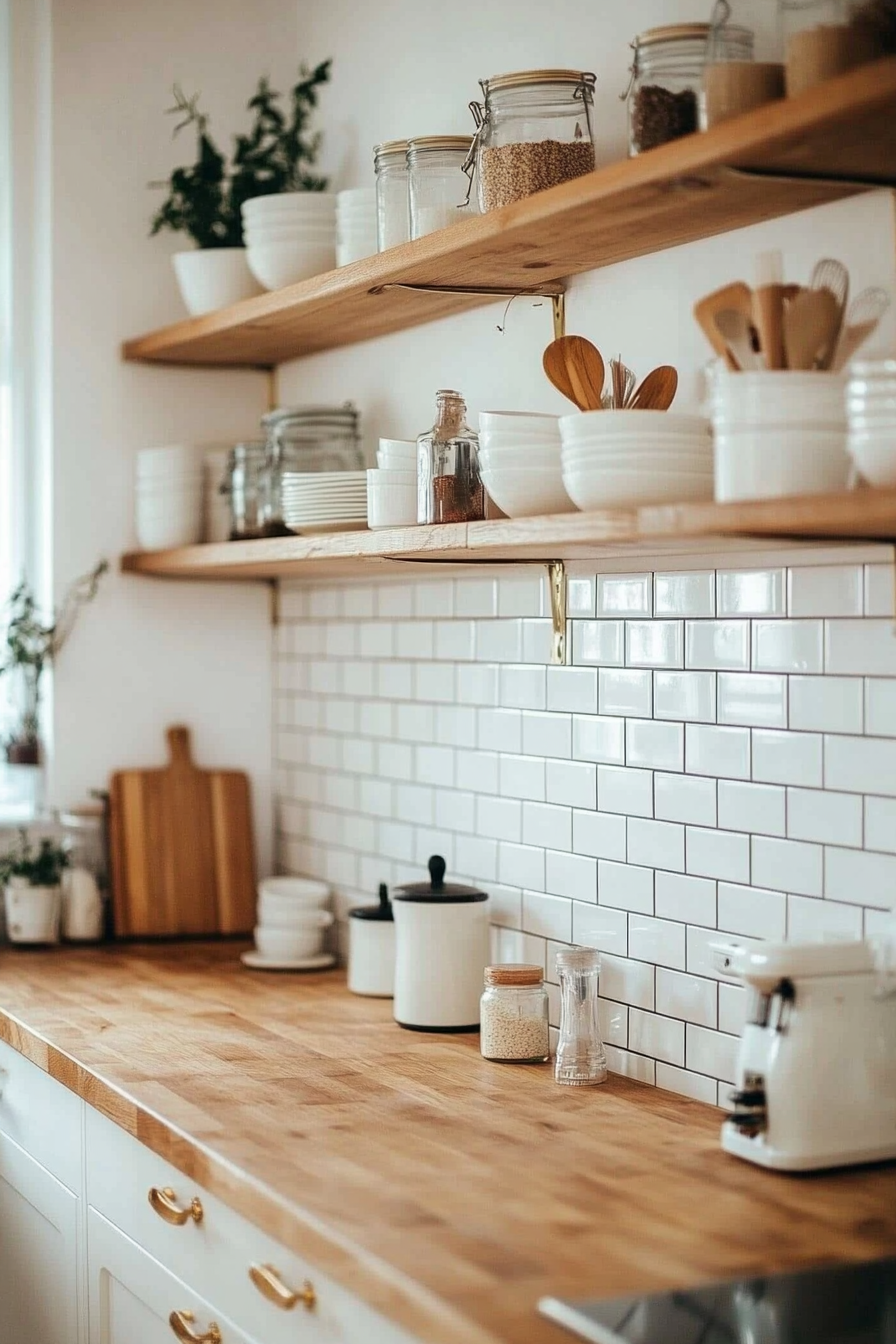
(353, 195)
(302, 237)
(650, 427)
(213, 277)
(291, 912)
(526, 494)
(276, 265)
(763, 465)
(875, 456)
(390, 503)
(290, 944)
(398, 446)
(171, 455)
(613, 488)
(161, 534)
(289, 203)
(308, 889)
(391, 476)
(519, 422)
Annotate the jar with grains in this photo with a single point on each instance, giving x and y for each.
(393, 219)
(534, 130)
(733, 80)
(666, 78)
(449, 487)
(437, 182)
(514, 1015)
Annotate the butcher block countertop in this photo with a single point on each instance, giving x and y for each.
(448, 1192)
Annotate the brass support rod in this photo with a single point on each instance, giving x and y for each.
(272, 389)
(558, 310)
(485, 291)
(557, 588)
(274, 591)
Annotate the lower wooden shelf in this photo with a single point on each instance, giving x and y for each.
(861, 515)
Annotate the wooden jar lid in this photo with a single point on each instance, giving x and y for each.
(515, 974)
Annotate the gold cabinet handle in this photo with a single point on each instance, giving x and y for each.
(180, 1324)
(270, 1285)
(166, 1206)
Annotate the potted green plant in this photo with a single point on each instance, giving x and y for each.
(29, 645)
(205, 199)
(32, 890)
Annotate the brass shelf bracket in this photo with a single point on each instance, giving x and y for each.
(484, 291)
(558, 311)
(557, 588)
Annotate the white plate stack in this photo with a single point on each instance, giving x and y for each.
(292, 925)
(392, 488)
(290, 237)
(169, 497)
(519, 460)
(620, 458)
(871, 412)
(355, 225)
(325, 501)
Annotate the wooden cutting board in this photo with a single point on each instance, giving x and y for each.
(181, 848)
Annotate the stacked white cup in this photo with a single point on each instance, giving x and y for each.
(392, 487)
(355, 225)
(871, 411)
(290, 237)
(292, 922)
(169, 497)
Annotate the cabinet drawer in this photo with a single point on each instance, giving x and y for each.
(216, 1254)
(41, 1116)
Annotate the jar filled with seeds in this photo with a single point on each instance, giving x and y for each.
(534, 130)
(449, 487)
(393, 219)
(666, 79)
(514, 1015)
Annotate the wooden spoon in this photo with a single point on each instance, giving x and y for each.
(811, 324)
(576, 368)
(657, 391)
(738, 336)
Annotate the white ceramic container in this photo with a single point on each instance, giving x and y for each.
(214, 277)
(391, 502)
(82, 907)
(32, 913)
(371, 949)
(768, 463)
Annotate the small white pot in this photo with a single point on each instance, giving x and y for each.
(82, 906)
(32, 913)
(214, 277)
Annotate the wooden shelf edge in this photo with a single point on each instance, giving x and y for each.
(855, 516)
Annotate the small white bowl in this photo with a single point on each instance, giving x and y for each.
(308, 889)
(620, 489)
(276, 265)
(390, 504)
(520, 423)
(291, 914)
(289, 944)
(527, 494)
(290, 203)
(875, 456)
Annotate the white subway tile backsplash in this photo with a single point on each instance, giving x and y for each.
(625, 595)
(684, 594)
(580, 595)
(454, 810)
(475, 855)
(455, 640)
(722, 752)
(717, 645)
(436, 682)
(826, 704)
(752, 699)
(733, 1003)
(522, 777)
(435, 765)
(829, 818)
(393, 600)
(500, 730)
(476, 771)
(693, 1085)
(710, 1052)
(717, 854)
(523, 687)
(599, 642)
(624, 886)
(571, 783)
(691, 900)
(657, 844)
(860, 648)
(375, 639)
(522, 596)
(654, 745)
(791, 865)
(880, 599)
(537, 642)
(688, 696)
(500, 641)
(753, 592)
(547, 916)
(499, 818)
(522, 866)
(685, 798)
(596, 738)
(547, 734)
(658, 941)
(456, 725)
(860, 765)
(880, 706)
(816, 921)
(688, 997)
(787, 758)
(627, 981)
(613, 1021)
(859, 877)
(477, 684)
(625, 692)
(640, 1068)
(788, 646)
(572, 689)
(753, 911)
(825, 590)
(601, 927)
(599, 834)
(572, 875)
(620, 789)
(660, 1038)
(477, 597)
(752, 807)
(654, 643)
(880, 824)
(430, 599)
(547, 825)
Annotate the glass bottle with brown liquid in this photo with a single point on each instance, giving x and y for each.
(449, 488)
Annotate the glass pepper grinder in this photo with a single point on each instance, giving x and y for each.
(449, 487)
(581, 1058)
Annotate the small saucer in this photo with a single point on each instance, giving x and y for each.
(256, 962)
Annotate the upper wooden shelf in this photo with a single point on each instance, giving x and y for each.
(868, 515)
(829, 143)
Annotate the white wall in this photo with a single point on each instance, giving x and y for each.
(146, 653)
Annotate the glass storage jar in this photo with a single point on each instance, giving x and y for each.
(305, 439)
(733, 81)
(243, 486)
(393, 220)
(85, 881)
(514, 1015)
(437, 183)
(824, 38)
(449, 487)
(534, 130)
(666, 78)
(581, 1058)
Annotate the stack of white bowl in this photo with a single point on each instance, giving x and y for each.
(292, 924)
(871, 411)
(290, 237)
(169, 497)
(392, 487)
(778, 432)
(355, 225)
(620, 458)
(519, 460)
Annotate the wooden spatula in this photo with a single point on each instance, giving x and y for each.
(738, 296)
(811, 323)
(657, 391)
(576, 368)
(738, 335)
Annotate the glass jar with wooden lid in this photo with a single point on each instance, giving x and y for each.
(534, 130)
(514, 1015)
(667, 76)
(393, 219)
(437, 183)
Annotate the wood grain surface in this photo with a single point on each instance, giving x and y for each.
(449, 1192)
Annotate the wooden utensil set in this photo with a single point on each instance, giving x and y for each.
(576, 368)
(786, 326)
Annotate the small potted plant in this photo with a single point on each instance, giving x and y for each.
(28, 646)
(205, 200)
(32, 890)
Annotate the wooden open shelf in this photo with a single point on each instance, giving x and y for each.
(859, 515)
(828, 143)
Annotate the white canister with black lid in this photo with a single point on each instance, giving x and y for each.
(371, 948)
(441, 951)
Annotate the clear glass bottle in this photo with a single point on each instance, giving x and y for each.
(449, 487)
(437, 182)
(514, 1015)
(666, 78)
(393, 219)
(581, 1058)
(244, 488)
(534, 130)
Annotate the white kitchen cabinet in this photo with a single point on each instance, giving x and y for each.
(39, 1253)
